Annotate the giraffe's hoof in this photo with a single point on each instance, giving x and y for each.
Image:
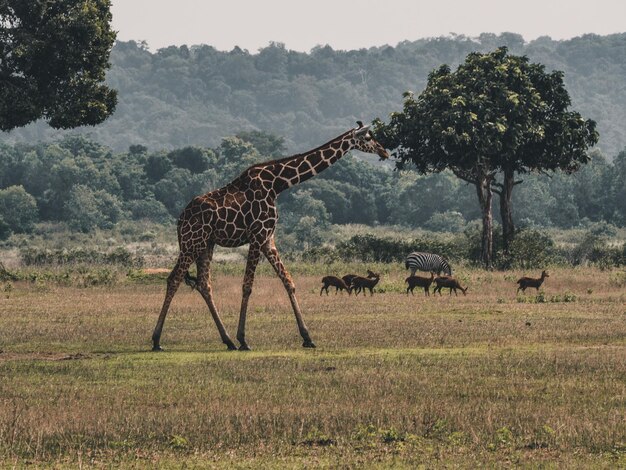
(244, 347)
(157, 348)
(231, 346)
(308, 344)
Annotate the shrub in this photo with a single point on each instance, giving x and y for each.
(448, 221)
(317, 438)
(618, 279)
(100, 277)
(149, 209)
(18, 209)
(531, 249)
(40, 257)
(503, 437)
(602, 229)
(386, 250)
(593, 249)
(6, 275)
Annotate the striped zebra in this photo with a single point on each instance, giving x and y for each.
(427, 262)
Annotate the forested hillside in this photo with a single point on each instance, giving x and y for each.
(198, 95)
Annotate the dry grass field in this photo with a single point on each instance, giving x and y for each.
(398, 381)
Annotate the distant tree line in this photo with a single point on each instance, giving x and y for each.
(87, 186)
(180, 96)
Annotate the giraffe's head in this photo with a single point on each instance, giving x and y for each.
(365, 142)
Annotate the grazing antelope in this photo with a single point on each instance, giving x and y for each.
(449, 282)
(417, 281)
(336, 282)
(348, 277)
(361, 283)
(525, 282)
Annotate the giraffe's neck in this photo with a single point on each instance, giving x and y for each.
(294, 170)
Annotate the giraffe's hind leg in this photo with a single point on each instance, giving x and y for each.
(204, 287)
(173, 282)
(271, 253)
(254, 254)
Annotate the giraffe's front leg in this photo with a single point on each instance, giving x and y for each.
(254, 253)
(271, 253)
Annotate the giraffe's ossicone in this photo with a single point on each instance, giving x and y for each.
(244, 211)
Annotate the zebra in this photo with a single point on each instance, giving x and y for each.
(427, 262)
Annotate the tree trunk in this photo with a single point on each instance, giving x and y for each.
(485, 195)
(506, 213)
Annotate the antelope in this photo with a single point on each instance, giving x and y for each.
(525, 282)
(348, 277)
(335, 282)
(417, 281)
(360, 283)
(450, 282)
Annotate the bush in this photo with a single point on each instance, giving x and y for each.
(149, 209)
(602, 229)
(119, 256)
(448, 221)
(593, 249)
(386, 250)
(618, 279)
(18, 209)
(531, 249)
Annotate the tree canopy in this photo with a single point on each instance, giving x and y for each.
(53, 59)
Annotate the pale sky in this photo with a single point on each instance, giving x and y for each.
(354, 24)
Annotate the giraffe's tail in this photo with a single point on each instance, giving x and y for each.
(190, 280)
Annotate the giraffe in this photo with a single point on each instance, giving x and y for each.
(244, 211)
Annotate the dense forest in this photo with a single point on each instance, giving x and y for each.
(86, 185)
(180, 96)
(191, 119)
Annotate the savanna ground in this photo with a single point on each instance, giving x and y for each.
(400, 381)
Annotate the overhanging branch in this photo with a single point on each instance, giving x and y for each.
(464, 176)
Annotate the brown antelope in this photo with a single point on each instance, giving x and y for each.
(525, 282)
(335, 282)
(360, 283)
(449, 282)
(417, 281)
(348, 277)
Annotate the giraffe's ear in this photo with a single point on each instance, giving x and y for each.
(361, 131)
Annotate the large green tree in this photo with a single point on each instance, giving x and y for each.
(541, 133)
(496, 114)
(53, 59)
